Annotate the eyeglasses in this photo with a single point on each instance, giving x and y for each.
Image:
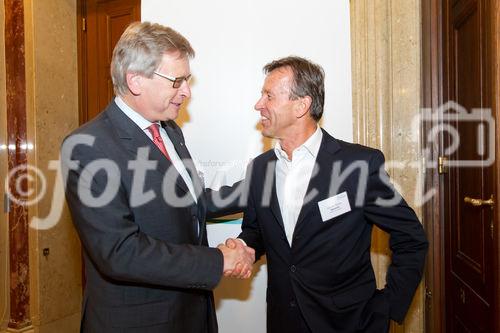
(177, 81)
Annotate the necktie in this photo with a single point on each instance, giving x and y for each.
(155, 132)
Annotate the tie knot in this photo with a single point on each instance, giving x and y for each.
(154, 130)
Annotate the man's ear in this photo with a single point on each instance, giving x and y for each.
(303, 106)
(134, 83)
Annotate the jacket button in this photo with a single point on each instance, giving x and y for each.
(293, 268)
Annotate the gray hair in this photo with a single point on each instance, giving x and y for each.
(308, 80)
(140, 50)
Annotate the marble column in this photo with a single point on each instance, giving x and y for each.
(4, 245)
(386, 50)
(17, 157)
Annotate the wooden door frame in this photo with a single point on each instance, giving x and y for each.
(433, 30)
(432, 97)
(81, 40)
(495, 53)
(82, 59)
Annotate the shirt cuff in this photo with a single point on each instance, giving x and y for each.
(241, 240)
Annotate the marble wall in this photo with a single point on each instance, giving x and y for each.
(52, 93)
(4, 269)
(386, 66)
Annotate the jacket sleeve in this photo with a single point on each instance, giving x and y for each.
(250, 229)
(227, 200)
(385, 208)
(113, 240)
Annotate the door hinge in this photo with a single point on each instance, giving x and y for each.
(428, 298)
(442, 165)
(428, 293)
(6, 203)
(84, 24)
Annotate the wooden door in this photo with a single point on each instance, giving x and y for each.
(102, 23)
(469, 186)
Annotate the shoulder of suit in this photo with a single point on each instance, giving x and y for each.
(95, 127)
(264, 157)
(355, 150)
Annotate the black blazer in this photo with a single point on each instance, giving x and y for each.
(148, 269)
(326, 274)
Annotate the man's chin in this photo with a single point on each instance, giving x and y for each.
(267, 134)
(171, 115)
(265, 131)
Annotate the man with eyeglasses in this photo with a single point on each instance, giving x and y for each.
(138, 203)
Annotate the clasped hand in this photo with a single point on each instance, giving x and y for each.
(238, 259)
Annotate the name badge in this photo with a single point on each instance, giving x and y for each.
(334, 206)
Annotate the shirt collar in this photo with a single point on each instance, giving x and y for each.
(311, 145)
(139, 120)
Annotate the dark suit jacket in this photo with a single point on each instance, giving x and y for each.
(147, 267)
(326, 274)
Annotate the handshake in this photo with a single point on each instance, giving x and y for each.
(238, 258)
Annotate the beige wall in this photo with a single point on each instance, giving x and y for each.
(52, 94)
(386, 99)
(4, 270)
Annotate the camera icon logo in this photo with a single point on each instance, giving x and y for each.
(450, 119)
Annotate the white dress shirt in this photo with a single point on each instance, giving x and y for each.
(292, 179)
(144, 124)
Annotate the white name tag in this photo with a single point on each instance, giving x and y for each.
(334, 206)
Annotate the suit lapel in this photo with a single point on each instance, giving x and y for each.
(275, 206)
(268, 176)
(180, 148)
(321, 177)
(132, 138)
(199, 188)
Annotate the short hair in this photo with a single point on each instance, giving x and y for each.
(308, 80)
(140, 50)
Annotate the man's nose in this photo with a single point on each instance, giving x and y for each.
(185, 89)
(259, 105)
